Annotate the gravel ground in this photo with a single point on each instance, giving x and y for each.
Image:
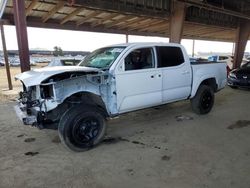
(167, 146)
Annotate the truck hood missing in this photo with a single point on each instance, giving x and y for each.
(36, 76)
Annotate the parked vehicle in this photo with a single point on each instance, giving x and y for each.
(64, 61)
(240, 77)
(2, 62)
(228, 59)
(197, 60)
(112, 81)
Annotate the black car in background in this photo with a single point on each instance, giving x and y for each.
(240, 77)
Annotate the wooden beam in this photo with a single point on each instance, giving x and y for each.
(154, 25)
(143, 26)
(120, 21)
(91, 15)
(71, 15)
(197, 30)
(211, 32)
(31, 6)
(162, 28)
(110, 17)
(139, 24)
(53, 24)
(124, 7)
(130, 22)
(57, 7)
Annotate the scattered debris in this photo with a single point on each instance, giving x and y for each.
(165, 158)
(29, 140)
(183, 118)
(157, 147)
(31, 153)
(21, 135)
(114, 140)
(130, 171)
(139, 132)
(56, 140)
(239, 124)
(140, 143)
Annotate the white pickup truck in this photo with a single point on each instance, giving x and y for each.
(113, 80)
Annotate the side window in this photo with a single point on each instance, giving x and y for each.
(169, 56)
(142, 58)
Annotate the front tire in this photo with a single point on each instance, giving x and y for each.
(82, 127)
(203, 101)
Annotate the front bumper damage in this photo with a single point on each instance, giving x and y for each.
(24, 117)
(29, 111)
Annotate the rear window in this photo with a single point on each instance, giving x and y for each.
(169, 56)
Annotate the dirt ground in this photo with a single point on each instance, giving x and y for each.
(4, 93)
(167, 146)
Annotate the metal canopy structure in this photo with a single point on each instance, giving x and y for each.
(207, 19)
(220, 20)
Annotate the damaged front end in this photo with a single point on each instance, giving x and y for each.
(45, 99)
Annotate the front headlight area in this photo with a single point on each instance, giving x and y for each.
(47, 91)
(40, 96)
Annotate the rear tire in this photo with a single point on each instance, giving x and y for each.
(82, 127)
(203, 101)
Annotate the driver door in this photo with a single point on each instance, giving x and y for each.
(138, 81)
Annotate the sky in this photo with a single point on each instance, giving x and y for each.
(88, 41)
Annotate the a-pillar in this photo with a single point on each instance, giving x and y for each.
(21, 31)
(176, 21)
(242, 36)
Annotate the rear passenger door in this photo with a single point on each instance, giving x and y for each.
(176, 73)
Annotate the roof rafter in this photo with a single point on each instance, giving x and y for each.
(71, 15)
(120, 21)
(132, 22)
(31, 6)
(140, 24)
(91, 15)
(154, 25)
(110, 17)
(57, 7)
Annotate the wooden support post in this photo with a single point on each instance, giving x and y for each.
(126, 38)
(6, 58)
(242, 36)
(176, 21)
(193, 48)
(21, 31)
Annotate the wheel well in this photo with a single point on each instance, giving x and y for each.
(211, 82)
(88, 99)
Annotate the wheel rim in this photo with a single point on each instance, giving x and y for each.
(206, 100)
(86, 130)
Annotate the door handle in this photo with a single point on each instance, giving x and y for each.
(152, 76)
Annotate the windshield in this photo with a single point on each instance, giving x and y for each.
(102, 58)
